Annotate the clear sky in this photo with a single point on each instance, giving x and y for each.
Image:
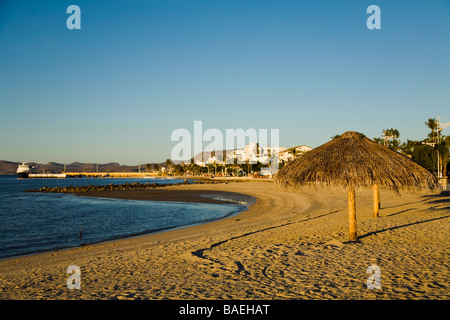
(137, 70)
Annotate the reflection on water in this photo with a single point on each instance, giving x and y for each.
(42, 221)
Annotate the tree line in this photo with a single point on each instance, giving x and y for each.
(210, 168)
(424, 152)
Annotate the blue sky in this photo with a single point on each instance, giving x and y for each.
(137, 70)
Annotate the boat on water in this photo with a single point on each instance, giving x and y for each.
(23, 170)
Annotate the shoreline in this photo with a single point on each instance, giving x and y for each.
(183, 196)
(124, 237)
(285, 246)
(165, 194)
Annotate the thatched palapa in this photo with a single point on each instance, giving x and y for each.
(354, 161)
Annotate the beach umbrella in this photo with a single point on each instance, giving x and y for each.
(353, 161)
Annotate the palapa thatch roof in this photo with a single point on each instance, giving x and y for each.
(356, 161)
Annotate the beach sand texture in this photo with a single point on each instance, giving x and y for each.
(286, 246)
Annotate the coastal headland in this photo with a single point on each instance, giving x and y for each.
(288, 245)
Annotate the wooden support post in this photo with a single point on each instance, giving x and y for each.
(376, 201)
(352, 214)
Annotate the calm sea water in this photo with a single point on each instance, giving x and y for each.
(33, 222)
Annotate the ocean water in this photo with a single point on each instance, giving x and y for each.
(34, 222)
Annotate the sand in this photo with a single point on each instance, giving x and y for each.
(166, 194)
(286, 246)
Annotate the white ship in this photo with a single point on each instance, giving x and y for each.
(23, 170)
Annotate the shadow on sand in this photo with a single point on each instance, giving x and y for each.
(402, 226)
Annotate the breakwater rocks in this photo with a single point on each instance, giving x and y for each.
(110, 187)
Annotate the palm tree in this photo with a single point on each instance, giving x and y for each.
(408, 147)
(390, 139)
(169, 164)
(195, 169)
(377, 140)
(447, 158)
(432, 124)
(444, 153)
(441, 145)
(393, 134)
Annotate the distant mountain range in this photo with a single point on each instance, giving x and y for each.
(10, 167)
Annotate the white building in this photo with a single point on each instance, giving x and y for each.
(212, 160)
(288, 154)
(252, 153)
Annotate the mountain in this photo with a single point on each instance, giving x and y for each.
(10, 167)
(205, 155)
(7, 167)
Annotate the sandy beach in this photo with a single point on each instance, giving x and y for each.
(286, 246)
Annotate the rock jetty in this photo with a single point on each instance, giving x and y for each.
(110, 187)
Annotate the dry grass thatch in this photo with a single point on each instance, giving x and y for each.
(353, 160)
